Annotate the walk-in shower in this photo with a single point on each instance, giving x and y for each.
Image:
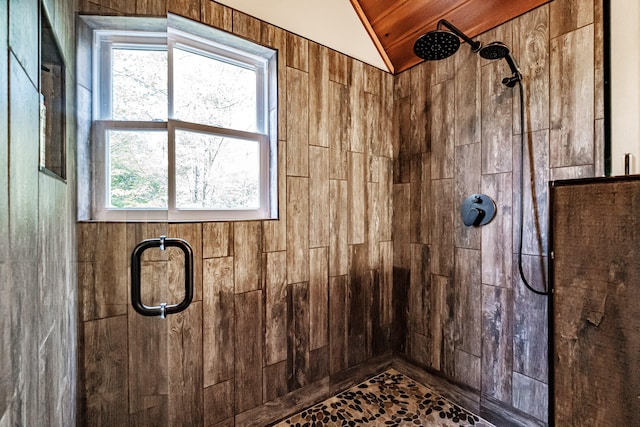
(440, 44)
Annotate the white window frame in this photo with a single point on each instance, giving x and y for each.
(240, 54)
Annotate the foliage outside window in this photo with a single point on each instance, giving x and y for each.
(181, 126)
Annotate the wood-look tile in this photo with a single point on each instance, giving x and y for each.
(385, 199)
(467, 283)
(160, 7)
(372, 225)
(274, 383)
(467, 87)
(338, 211)
(218, 403)
(297, 229)
(467, 369)
(497, 242)
(531, 396)
(275, 231)
(531, 48)
(359, 300)
(318, 364)
(530, 329)
(357, 197)
(357, 142)
(298, 335)
(419, 290)
(572, 99)
(103, 290)
(318, 95)
(147, 347)
(386, 118)
(402, 141)
(599, 63)
(497, 132)
(442, 114)
(185, 367)
(217, 15)
(436, 303)
(569, 15)
(340, 131)
(247, 255)
(319, 191)
(318, 297)
(419, 348)
(246, 26)
(275, 292)
(219, 322)
(339, 67)
(572, 172)
(401, 226)
(276, 38)
(422, 231)
(192, 233)
(337, 324)
(400, 298)
(380, 332)
(297, 101)
(386, 282)
(105, 364)
(535, 194)
(217, 239)
(442, 213)
(468, 181)
(373, 80)
(297, 52)
(186, 8)
(248, 351)
(420, 121)
(497, 345)
(371, 134)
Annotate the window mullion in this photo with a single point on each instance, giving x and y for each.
(171, 176)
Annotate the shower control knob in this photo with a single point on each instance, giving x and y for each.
(473, 217)
(477, 209)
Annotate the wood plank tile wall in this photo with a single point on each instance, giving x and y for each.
(369, 256)
(38, 292)
(284, 311)
(468, 314)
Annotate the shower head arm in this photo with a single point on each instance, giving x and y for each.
(475, 46)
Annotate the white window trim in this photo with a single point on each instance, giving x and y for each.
(238, 52)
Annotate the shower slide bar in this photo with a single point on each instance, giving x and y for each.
(163, 309)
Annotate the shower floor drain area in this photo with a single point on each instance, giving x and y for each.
(389, 399)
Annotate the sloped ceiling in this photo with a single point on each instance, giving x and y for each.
(386, 30)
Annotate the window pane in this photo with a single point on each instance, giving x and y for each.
(211, 92)
(137, 169)
(215, 172)
(139, 84)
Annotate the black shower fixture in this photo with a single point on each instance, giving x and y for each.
(498, 50)
(440, 44)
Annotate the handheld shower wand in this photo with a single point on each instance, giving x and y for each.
(498, 50)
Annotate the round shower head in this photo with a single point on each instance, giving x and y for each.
(495, 50)
(436, 45)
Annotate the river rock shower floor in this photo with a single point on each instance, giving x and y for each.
(389, 399)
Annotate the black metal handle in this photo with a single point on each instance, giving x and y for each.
(163, 309)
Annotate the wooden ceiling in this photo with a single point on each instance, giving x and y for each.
(395, 25)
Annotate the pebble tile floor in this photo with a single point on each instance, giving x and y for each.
(388, 399)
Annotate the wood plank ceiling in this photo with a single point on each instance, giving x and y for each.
(395, 25)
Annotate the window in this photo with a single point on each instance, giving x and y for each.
(182, 125)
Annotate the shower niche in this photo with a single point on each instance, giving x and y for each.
(52, 102)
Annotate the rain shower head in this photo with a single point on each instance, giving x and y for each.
(440, 44)
(495, 50)
(498, 50)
